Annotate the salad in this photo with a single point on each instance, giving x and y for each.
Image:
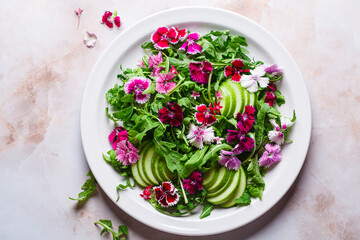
(196, 123)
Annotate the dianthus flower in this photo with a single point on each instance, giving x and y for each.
(277, 134)
(204, 115)
(256, 77)
(236, 70)
(163, 82)
(247, 118)
(200, 135)
(271, 155)
(163, 36)
(200, 72)
(228, 159)
(166, 194)
(190, 45)
(137, 85)
(172, 115)
(146, 194)
(126, 153)
(117, 135)
(193, 183)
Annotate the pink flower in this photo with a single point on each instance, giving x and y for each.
(190, 46)
(245, 144)
(172, 115)
(156, 71)
(78, 14)
(155, 60)
(90, 39)
(137, 85)
(195, 95)
(218, 95)
(193, 183)
(181, 35)
(236, 70)
(270, 96)
(106, 19)
(146, 194)
(216, 107)
(200, 135)
(163, 36)
(273, 69)
(166, 194)
(277, 135)
(200, 72)
(163, 82)
(218, 140)
(117, 135)
(250, 82)
(204, 115)
(271, 155)
(141, 63)
(117, 21)
(228, 159)
(247, 118)
(173, 70)
(126, 153)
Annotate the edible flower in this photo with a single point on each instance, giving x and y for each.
(172, 115)
(181, 35)
(155, 60)
(126, 153)
(277, 134)
(200, 135)
(173, 70)
(78, 14)
(228, 159)
(195, 95)
(218, 140)
(193, 183)
(216, 108)
(141, 63)
(236, 70)
(146, 194)
(163, 82)
(190, 46)
(247, 118)
(271, 155)
(200, 72)
(137, 85)
(204, 115)
(117, 21)
(117, 135)
(270, 96)
(90, 39)
(109, 19)
(218, 95)
(273, 69)
(250, 82)
(245, 144)
(163, 36)
(166, 194)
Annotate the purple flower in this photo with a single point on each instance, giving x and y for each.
(245, 144)
(193, 183)
(272, 154)
(155, 60)
(190, 44)
(200, 72)
(273, 69)
(117, 135)
(137, 85)
(228, 160)
(198, 135)
(172, 115)
(126, 153)
(163, 82)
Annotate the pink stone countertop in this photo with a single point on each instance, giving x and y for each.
(44, 68)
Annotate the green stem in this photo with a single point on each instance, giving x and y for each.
(150, 115)
(183, 191)
(209, 86)
(177, 85)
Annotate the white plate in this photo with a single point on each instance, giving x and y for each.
(126, 50)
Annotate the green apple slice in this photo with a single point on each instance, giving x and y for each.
(220, 181)
(223, 187)
(239, 190)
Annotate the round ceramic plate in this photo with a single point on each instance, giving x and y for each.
(126, 50)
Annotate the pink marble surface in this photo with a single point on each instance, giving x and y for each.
(44, 68)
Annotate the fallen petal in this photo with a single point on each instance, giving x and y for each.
(90, 39)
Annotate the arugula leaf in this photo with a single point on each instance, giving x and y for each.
(213, 152)
(280, 99)
(123, 114)
(107, 227)
(194, 162)
(89, 187)
(256, 184)
(123, 187)
(206, 210)
(244, 199)
(260, 121)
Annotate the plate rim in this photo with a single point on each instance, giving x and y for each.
(209, 9)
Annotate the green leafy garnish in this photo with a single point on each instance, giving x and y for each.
(88, 188)
(107, 227)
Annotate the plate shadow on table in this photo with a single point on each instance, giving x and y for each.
(240, 233)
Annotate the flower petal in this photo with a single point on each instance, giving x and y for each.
(193, 36)
(237, 64)
(229, 71)
(194, 48)
(90, 39)
(117, 21)
(162, 44)
(236, 77)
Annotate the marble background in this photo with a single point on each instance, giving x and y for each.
(44, 68)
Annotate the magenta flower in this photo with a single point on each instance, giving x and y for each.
(247, 118)
(236, 70)
(156, 71)
(245, 144)
(193, 183)
(126, 153)
(200, 72)
(204, 115)
(166, 194)
(155, 60)
(200, 135)
(172, 115)
(228, 159)
(218, 95)
(173, 70)
(271, 155)
(195, 95)
(216, 108)
(163, 36)
(117, 135)
(106, 19)
(181, 35)
(270, 96)
(137, 85)
(117, 21)
(163, 82)
(78, 14)
(146, 194)
(273, 69)
(190, 46)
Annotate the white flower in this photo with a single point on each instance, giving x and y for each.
(250, 82)
(200, 135)
(90, 39)
(277, 135)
